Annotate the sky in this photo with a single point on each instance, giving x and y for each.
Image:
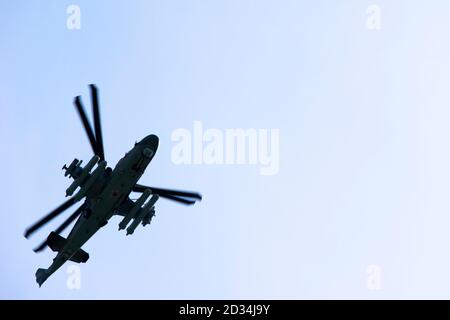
(358, 206)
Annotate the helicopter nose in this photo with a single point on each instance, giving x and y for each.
(151, 141)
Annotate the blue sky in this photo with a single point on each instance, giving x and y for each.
(364, 145)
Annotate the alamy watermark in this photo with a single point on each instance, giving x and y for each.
(227, 147)
(73, 21)
(73, 277)
(373, 20)
(373, 281)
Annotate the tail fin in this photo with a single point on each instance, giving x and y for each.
(41, 276)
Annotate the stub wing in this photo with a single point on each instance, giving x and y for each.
(125, 207)
(138, 211)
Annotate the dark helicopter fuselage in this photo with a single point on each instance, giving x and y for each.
(104, 197)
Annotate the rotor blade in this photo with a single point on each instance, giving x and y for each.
(97, 122)
(87, 126)
(161, 192)
(177, 199)
(61, 228)
(66, 205)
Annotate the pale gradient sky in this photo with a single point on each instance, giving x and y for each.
(364, 145)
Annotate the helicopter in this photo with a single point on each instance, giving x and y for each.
(102, 192)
